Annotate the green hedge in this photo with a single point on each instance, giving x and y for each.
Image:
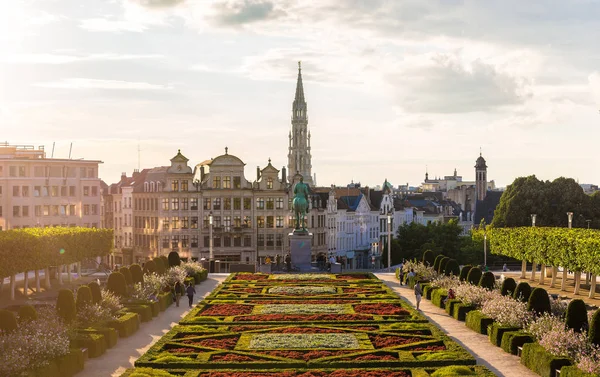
(65, 366)
(478, 322)
(451, 304)
(460, 311)
(573, 371)
(511, 340)
(427, 290)
(126, 325)
(495, 333)
(536, 358)
(165, 300)
(201, 276)
(95, 343)
(438, 296)
(110, 334)
(145, 311)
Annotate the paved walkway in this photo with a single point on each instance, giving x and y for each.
(122, 356)
(494, 358)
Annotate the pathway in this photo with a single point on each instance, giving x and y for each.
(122, 356)
(492, 357)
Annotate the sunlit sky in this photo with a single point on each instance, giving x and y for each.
(392, 86)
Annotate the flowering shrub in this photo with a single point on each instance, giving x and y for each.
(590, 361)
(110, 301)
(33, 345)
(507, 311)
(93, 314)
(558, 307)
(192, 267)
(155, 282)
(422, 272)
(565, 342)
(543, 325)
(443, 281)
(176, 274)
(141, 291)
(473, 295)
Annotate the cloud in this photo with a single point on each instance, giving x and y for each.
(594, 83)
(241, 12)
(42, 58)
(84, 83)
(108, 25)
(158, 3)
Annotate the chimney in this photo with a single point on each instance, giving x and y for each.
(257, 173)
(283, 174)
(202, 173)
(123, 176)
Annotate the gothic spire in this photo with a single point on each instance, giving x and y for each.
(299, 88)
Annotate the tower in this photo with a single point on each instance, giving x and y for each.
(299, 158)
(480, 177)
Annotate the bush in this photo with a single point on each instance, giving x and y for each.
(450, 304)
(508, 287)
(487, 280)
(474, 276)
(507, 311)
(116, 284)
(96, 292)
(27, 313)
(174, 259)
(127, 274)
(453, 370)
(428, 258)
(478, 322)
(577, 315)
(146, 372)
(137, 275)
(512, 340)
(110, 301)
(460, 311)
(496, 332)
(452, 268)
(536, 358)
(8, 321)
(65, 305)
(464, 272)
(539, 302)
(436, 261)
(161, 268)
(438, 296)
(126, 325)
(84, 297)
(442, 265)
(165, 261)
(522, 292)
(149, 267)
(93, 315)
(594, 333)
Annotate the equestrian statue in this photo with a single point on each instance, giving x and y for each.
(300, 204)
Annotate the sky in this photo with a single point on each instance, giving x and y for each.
(393, 87)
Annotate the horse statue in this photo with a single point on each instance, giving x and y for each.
(300, 204)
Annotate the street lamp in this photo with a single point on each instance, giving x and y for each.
(533, 265)
(210, 236)
(570, 214)
(588, 223)
(484, 249)
(389, 226)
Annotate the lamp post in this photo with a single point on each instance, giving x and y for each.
(563, 284)
(533, 265)
(484, 249)
(588, 223)
(389, 226)
(210, 236)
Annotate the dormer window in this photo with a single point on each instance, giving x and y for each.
(216, 182)
(269, 183)
(175, 185)
(152, 187)
(227, 182)
(146, 186)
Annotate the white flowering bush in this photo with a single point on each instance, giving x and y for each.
(507, 312)
(558, 307)
(110, 301)
(543, 324)
(473, 295)
(93, 314)
(141, 291)
(447, 282)
(176, 274)
(422, 272)
(192, 268)
(156, 282)
(590, 361)
(565, 343)
(33, 344)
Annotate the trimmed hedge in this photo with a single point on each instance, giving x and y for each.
(536, 358)
(438, 296)
(117, 284)
(428, 258)
(96, 292)
(161, 268)
(94, 342)
(137, 275)
(442, 266)
(149, 267)
(65, 305)
(474, 276)
(201, 276)
(126, 325)
(577, 315)
(539, 302)
(522, 292)
(460, 311)
(427, 290)
(452, 268)
(111, 335)
(174, 259)
(573, 371)
(436, 261)
(8, 321)
(495, 333)
(594, 333)
(26, 313)
(145, 311)
(508, 287)
(512, 340)
(127, 274)
(451, 304)
(165, 300)
(487, 280)
(464, 272)
(84, 297)
(478, 322)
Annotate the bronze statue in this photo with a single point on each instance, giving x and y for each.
(300, 204)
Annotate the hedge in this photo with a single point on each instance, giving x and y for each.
(478, 322)
(577, 315)
(436, 261)
(496, 331)
(452, 268)
(536, 358)
(488, 280)
(39, 248)
(428, 258)
(65, 305)
(95, 343)
(450, 304)
(427, 290)
(474, 275)
(508, 287)
(27, 313)
(522, 292)
(438, 296)
(126, 325)
(460, 311)
(201, 276)
(512, 340)
(145, 311)
(8, 321)
(111, 335)
(573, 371)
(594, 333)
(539, 302)
(65, 366)
(165, 300)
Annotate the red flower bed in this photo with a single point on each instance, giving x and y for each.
(352, 277)
(227, 309)
(315, 373)
(307, 330)
(231, 357)
(247, 328)
(303, 317)
(182, 350)
(251, 277)
(306, 355)
(246, 290)
(383, 341)
(311, 301)
(429, 348)
(381, 309)
(223, 343)
(372, 357)
(357, 290)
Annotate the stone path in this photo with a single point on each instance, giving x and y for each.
(492, 357)
(122, 356)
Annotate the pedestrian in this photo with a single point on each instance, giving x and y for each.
(418, 293)
(504, 268)
(410, 278)
(401, 272)
(190, 293)
(288, 262)
(277, 261)
(178, 289)
(331, 261)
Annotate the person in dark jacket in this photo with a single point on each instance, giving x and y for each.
(177, 290)
(190, 290)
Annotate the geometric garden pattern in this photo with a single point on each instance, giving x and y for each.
(309, 325)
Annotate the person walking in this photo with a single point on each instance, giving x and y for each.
(288, 262)
(178, 290)
(190, 290)
(418, 293)
(277, 261)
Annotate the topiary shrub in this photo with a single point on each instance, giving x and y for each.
(149, 267)
(8, 321)
(96, 292)
(442, 265)
(27, 313)
(452, 268)
(137, 275)
(127, 274)
(522, 292)
(453, 370)
(539, 302)
(84, 297)
(464, 272)
(577, 315)
(161, 268)
(428, 258)
(65, 305)
(116, 284)
(474, 276)
(174, 259)
(508, 287)
(594, 333)
(436, 261)
(487, 280)
(165, 261)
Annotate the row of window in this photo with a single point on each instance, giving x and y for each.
(65, 225)
(50, 171)
(53, 191)
(225, 222)
(183, 241)
(176, 204)
(53, 210)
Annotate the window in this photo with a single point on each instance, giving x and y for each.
(95, 209)
(63, 190)
(270, 203)
(227, 241)
(237, 241)
(279, 222)
(54, 210)
(72, 210)
(279, 203)
(16, 191)
(184, 185)
(175, 204)
(25, 211)
(237, 182)
(37, 191)
(165, 204)
(194, 204)
(165, 223)
(165, 242)
(237, 222)
(227, 223)
(194, 241)
(16, 211)
(279, 239)
(185, 241)
(175, 185)
(247, 203)
(25, 191)
(270, 222)
(237, 204)
(227, 203)
(82, 173)
(217, 221)
(216, 203)
(38, 210)
(226, 182)
(12, 171)
(86, 190)
(261, 240)
(185, 204)
(94, 190)
(175, 222)
(260, 221)
(260, 203)
(217, 241)
(185, 222)
(247, 222)
(54, 191)
(205, 222)
(247, 241)
(206, 203)
(291, 222)
(206, 241)
(194, 222)
(71, 190)
(86, 210)
(269, 183)
(216, 182)
(270, 240)
(22, 171)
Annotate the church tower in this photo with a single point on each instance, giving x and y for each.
(480, 177)
(299, 158)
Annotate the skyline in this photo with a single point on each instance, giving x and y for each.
(391, 87)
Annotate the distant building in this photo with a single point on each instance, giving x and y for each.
(589, 188)
(487, 200)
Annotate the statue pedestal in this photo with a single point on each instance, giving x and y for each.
(300, 250)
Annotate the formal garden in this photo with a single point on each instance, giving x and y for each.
(550, 335)
(256, 325)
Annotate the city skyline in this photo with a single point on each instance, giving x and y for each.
(391, 87)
